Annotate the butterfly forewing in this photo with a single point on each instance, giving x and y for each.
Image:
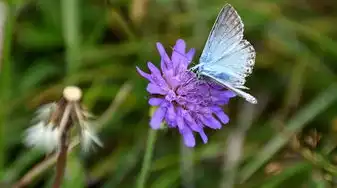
(226, 33)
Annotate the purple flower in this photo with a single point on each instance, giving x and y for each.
(183, 101)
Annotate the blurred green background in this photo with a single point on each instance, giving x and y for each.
(288, 139)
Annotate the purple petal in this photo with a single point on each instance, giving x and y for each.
(171, 123)
(203, 136)
(155, 101)
(173, 81)
(188, 137)
(164, 55)
(180, 60)
(144, 74)
(190, 54)
(163, 66)
(180, 46)
(229, 94)
(211, 122)
(221, 115)
(155, 89)
(157, 118)
(171, 114)
(154, 70)
(191, 122)
(157, 76)
(178, 54)
(180, 119)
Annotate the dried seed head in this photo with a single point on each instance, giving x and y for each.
(72, 93)
(52, 120)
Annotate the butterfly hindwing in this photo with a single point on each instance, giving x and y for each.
(237, 65)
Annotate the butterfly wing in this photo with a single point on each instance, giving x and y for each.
(237, 65)
(227, 57)
(226, 33)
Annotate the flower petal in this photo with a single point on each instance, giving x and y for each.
(178, 53)
(211, 122)
(157, 118)
(221, 115)
(154, 70)
(157, 76)
(203, 136)
(155, 89)
(155, 101)
(180, 119)
(173, 81)
(190, 54)
(188, 137)
(179, 47)
(164, 55)
(171, 114)
(144, 74)
(229, 93)
(179, 58)
(163, 66)
(191, 122)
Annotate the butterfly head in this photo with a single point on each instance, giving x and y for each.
(197, 69)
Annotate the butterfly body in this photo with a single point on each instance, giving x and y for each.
(227, 58)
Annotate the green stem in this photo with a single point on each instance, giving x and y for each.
(147, 158)
(186, 165)
(71, 35)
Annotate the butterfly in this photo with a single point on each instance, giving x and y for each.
(227, 58)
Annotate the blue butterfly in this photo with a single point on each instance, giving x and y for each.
(227, 58)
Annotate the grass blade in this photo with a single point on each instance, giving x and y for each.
(320, 103)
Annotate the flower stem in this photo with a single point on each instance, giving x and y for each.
(60, 165)
(147, 158)
(186, 165)
(62, 156)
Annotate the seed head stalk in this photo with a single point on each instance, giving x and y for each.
(72, 95)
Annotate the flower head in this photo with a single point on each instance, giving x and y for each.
(57, 118)
(183, 101)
